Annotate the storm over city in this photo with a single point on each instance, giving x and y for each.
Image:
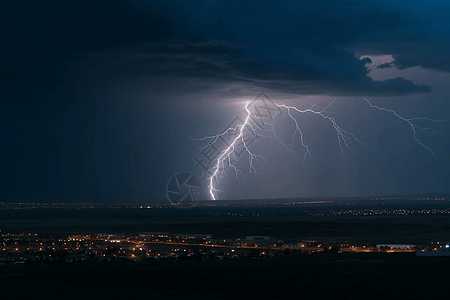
(204, 149)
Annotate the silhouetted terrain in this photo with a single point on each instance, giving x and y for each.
(321, 276)
(318, 276)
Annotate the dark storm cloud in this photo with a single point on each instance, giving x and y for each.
(421, 39)
(228, 65)
(42, 29)
(302, 47)
(430, 52)
(385, 65)
(365, 86)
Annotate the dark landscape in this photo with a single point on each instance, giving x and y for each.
(343, 276)
(282, 274)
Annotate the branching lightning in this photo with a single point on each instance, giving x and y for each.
(410, 123)
(227, 157)
(229, 152)
(342, 135)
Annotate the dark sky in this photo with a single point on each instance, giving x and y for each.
(99, 99)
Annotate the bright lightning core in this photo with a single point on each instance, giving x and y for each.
(260, 127)
(229, 153)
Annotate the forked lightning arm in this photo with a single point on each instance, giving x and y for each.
(226, 156)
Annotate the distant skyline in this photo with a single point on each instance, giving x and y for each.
(99, 100)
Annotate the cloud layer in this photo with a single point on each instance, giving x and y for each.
(307, 47)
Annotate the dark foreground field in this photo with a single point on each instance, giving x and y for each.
(321, 276)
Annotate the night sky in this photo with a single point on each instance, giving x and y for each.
(99, 99)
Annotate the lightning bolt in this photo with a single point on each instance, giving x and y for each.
(229, 153)
(410, 123)
(343, 137)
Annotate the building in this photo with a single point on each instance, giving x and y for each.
(154, 234)
(260, 239)
(395, 246)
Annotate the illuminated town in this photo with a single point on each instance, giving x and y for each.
(32, 248)
(51, 247)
